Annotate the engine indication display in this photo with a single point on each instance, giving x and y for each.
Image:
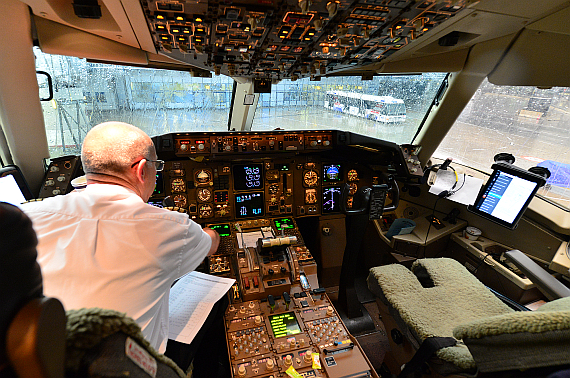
(331, 199)
(249, 205)
(247, 176)
(332, 173)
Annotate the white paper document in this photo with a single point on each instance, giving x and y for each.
(249, 238)
(191, 300)
(466, 190)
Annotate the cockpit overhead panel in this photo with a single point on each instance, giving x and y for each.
(272, 40)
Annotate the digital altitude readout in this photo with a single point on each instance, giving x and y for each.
(247, 176)
(284, 324)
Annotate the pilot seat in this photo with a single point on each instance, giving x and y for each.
(442, 320)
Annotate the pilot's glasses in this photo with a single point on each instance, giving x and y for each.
(158, 164)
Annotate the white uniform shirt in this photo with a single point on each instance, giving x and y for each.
(104, 247)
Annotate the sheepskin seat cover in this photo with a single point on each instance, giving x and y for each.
(520, 340)
(454, 296)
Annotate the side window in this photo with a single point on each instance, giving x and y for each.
(528, 122)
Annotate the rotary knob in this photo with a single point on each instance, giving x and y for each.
(313, 143)
(326, 143)
(308, 357)
(330, 311)
(201, 146)
(258, 319)
(288, 360)
(293, 343)
(183, 147)
(228, 147)
(269, 365)
(241, 371)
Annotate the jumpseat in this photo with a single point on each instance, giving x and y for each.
(433, 298)
(106, 343)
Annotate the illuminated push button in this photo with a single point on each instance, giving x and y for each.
(241, 371)
(269, 365)
(288, 360)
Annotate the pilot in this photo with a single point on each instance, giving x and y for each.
(105, 246)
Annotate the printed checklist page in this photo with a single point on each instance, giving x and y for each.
(191, 300)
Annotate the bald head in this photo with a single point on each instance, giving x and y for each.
(111, 147)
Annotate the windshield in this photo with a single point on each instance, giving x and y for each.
(388, 107)
(163, 101)
(530, 123)
(157, 101)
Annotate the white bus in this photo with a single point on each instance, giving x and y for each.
(386, 109)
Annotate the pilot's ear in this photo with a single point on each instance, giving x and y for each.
(140, 171)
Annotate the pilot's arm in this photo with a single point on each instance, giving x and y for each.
(215, 240)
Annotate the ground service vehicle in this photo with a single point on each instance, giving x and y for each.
(235, 94)
(384, 109)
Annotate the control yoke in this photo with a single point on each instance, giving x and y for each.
(371, 200)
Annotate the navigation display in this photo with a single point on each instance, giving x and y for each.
(221, 229)
(331, 199)
(284, 324)
(332, 173)
(247, 176)
(506, 195)
(249, 205)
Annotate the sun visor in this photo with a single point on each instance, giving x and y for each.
(59, 39)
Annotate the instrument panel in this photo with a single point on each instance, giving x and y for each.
(220, 177)
(227, 190)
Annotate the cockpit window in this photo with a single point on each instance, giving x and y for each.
(157, 101)
(528, 122)
(386, 107)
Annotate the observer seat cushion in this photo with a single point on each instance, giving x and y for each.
(520, 340)
(434, 297)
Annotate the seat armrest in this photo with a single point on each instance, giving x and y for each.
(548, 285)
